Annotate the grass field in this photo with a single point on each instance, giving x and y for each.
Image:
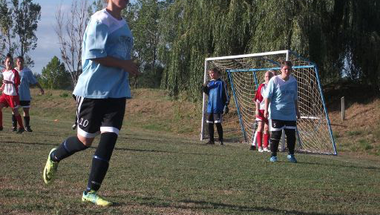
(159, 167)
(156, 173)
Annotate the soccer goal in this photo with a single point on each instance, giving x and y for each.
(244, 73)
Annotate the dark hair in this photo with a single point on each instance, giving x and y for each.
(10, 57)
(20, 58)
(215, 69)
(286, 63)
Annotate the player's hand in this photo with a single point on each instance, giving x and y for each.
(266, 113)
(131, 67)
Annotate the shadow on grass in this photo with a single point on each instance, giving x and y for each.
(204, 206)
(337, 165)
(116, 148)
(162, 151)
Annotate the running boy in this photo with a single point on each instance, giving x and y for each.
(218, 101)
(262, 131)
(27, 79)
(102, 90)
(281, 104)
(9, 97)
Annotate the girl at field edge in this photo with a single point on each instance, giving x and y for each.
(10, 96)
(281, 105)
(101, 93)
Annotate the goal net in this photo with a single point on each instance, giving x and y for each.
(244, 73)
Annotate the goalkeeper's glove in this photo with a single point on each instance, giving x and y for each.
(225, 109)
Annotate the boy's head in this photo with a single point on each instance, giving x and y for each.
(286, 69)
(8, 63)
(214, 73)
(20, 62)
(268, 75)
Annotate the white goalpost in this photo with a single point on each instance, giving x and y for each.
(244, 73)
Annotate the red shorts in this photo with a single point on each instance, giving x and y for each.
(10, 101)
(261, 117)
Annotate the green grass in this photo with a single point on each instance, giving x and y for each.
(152, 172)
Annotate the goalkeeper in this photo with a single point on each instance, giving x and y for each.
(281, 104)
(218, 101)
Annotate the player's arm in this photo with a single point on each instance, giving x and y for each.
(205, 88)
(127, 65)
(41, 89)
(266, 113)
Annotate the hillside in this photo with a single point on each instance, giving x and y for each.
(154, 110)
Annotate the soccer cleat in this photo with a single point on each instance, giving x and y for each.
(93, 197)
(28, 129)
(20, 130)
(260, 149)
(273, 159)
(292, 159)
(221, 142)
(1, 128)
(14, 129)
(252, 147)
(266, 149)
(50, 169)
(74, 126)
(210, 142)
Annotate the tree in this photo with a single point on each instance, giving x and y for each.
(339, 35)
(143, 18)
(54, 75)
(6, 24)
(70, 28)
(26, 16)
(18, 23)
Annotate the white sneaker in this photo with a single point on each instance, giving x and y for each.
(266, 149)
(261, 149)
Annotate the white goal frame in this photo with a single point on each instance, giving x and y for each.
(314, 133)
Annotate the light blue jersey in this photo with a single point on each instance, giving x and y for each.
(282, 95)
(104, 36)
(26, 79)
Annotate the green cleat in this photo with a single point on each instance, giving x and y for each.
(50, 169)
(93, 197)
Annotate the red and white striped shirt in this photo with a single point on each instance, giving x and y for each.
(12, 76)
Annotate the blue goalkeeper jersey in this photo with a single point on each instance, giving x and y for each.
(282, 95)
(26, 79)
(217, 96)
(104, 36)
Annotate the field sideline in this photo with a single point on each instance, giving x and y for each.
(156, 173)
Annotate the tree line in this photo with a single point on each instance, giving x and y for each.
(341, 36)
(172, 38)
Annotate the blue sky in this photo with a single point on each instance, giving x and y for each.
(47, 44)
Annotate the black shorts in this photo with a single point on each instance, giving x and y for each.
(214, 118)
(278, 125)
(99, 115)
(25, 104)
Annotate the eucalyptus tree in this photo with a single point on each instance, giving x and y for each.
(6, 23)
(143, 17)
(26, 15)
(19, 22)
